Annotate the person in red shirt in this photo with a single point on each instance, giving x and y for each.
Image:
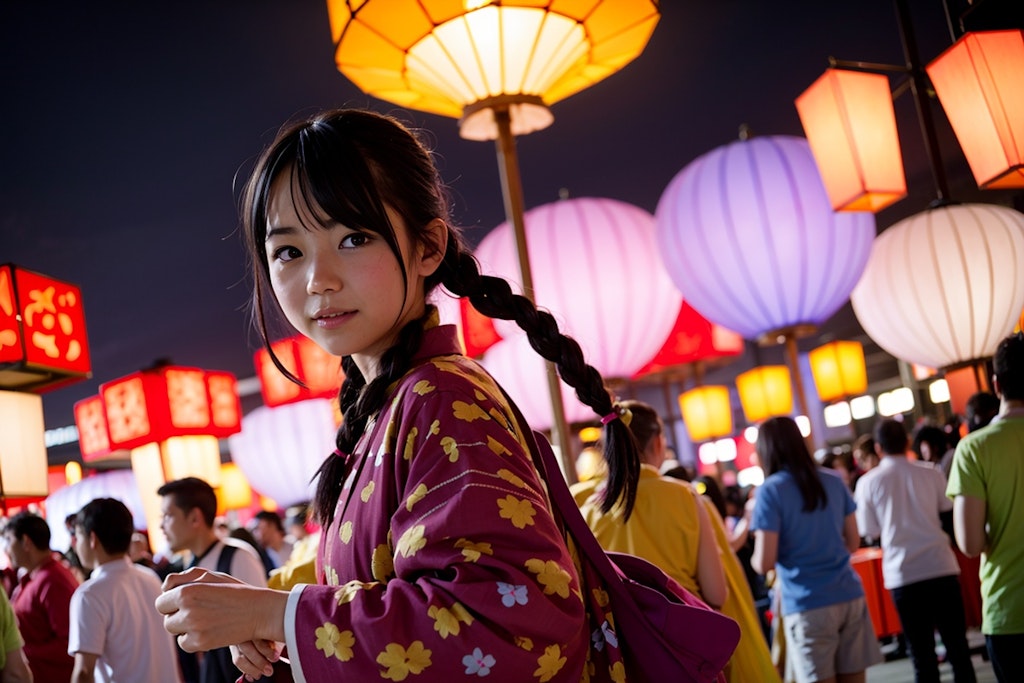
(42, 598)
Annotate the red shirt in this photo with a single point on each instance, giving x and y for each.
(41, 600)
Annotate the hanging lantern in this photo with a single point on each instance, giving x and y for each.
(93, 437)
(43, 341)
(706, 412)
(23, 475)
(765, 391)
(118, 484)
(595, 267)
(851, 127)
(747, 233)
(943, 287)
(457, 58)
(280, 449)
(839, 370)
(234, 492)
(693, 339)
(981, 88)
(521, 372)
(318, 370)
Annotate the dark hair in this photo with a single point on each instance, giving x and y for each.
(1008, 367)
(780, 446)
(937, 440)
(271, 517)
(31, 525)
(891, 436)
(110, 520)
(981, 408)
(348, 165)
(644, 423)
(192, 492)
(735, 496)
(708, 486)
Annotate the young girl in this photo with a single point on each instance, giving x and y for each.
(439, 556)
(804, 522)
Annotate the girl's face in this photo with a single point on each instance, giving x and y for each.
(339, 286)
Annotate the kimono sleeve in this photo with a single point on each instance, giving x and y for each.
(482, 581)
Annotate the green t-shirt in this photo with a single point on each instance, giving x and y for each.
(8, 629)
(989, 464)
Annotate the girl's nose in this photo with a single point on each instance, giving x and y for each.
(323, 274)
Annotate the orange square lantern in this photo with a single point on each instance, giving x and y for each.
(765, 391)
(839, 370)
(43, 341)
(318, 370)
(707, 412)
(91, 421)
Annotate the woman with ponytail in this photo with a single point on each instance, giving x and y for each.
(439, 556)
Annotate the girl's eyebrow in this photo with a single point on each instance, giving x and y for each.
(289, 230)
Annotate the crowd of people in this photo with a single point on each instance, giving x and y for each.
(439, 555)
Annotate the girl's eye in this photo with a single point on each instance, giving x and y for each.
(286, 253)
(354, 239)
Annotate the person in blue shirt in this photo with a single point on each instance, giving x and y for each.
(804, 527)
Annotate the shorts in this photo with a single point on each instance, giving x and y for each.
(830, 640)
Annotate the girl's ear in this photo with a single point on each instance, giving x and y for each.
(435, 241)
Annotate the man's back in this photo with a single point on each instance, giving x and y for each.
(41, 602)
(989, 466)
(113, 616)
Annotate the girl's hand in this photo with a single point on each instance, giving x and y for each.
(256, 658)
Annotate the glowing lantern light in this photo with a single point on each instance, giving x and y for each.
(707, 412)
(234, 492)
(693, 339)
(851, 127)
(765, 391)
(978, 81)
(72, 473)
(23, 474)
(748, 236)
(318, 370)
(93, 437)
(43, 341)
(595, 268)
(839, 370)
(118, 484)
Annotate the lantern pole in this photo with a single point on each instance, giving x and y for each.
(512, 192)
(798, 383)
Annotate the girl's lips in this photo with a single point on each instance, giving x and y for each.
(329, 321)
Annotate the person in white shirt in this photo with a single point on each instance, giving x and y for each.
(116, 635)
(899, 503)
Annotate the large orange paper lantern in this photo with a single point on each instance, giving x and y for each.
(851, 126)
(839, 370)
(706, 412)
(23, 475)
(765, 391)
(318, 370)
(43, 340)
(980, 84)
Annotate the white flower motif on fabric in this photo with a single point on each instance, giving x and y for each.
(478, 663)
(512, 594)
(609, 634)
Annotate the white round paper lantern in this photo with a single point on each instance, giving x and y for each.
(946, 285)
(523, 374)
(749, 237)
(280, 449)
(595, 267)
(119, 484)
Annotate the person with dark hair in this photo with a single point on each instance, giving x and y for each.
(981, 408)
(42, 598)
(804, 527)
(436, 526)
(864, 455)
(269, 532)
(931, 444)
(899, 503)
(116, 635)
(189, 508)
(986, 484)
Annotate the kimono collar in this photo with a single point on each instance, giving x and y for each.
(438, 340)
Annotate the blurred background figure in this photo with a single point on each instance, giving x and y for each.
(864, 453)
(13, 664)
(268, 528)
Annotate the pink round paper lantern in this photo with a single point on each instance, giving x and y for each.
(595, 267)
(946, 285)
(523, 374)
(119, 484)
(280, 449)
(748, 235)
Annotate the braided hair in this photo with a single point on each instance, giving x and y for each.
(348, 165)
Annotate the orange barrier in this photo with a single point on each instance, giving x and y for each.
(867, 562)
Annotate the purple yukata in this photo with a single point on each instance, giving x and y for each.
(443, 561)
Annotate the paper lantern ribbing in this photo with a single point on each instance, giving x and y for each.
(521, 372)
(280, 449)
(748, 235)
(596, 268)
(946, 285)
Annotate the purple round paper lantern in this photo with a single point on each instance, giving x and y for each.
(595, 267)
(748, 235)
(279, 449)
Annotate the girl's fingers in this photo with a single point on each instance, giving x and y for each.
(254, 659)
(180, 578)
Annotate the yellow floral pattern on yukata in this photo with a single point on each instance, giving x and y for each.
(468, 412)
(382, 563)
(399, 662)
(549, 663)
(496, 446)
(472, 551)
(451, 448)
(618, 672)
(335, 643)
(524, 643)
(345, 533)
(412, 540)
(348, 592)
(519, 511)
(423, 387)
(416, 496)
(330, 576)
(512, 478)
(367, 491)
(551, 576)
(446, 621)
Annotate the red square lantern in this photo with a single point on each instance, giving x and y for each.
(91, 420)
(318, 370)
(43, 340)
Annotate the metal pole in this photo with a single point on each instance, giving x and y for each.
(512, 191)
(798, 382)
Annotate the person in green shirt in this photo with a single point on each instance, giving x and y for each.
(13, 665)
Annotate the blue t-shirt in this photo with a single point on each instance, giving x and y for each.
(813, 563)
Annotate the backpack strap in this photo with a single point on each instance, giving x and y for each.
(224, 561)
